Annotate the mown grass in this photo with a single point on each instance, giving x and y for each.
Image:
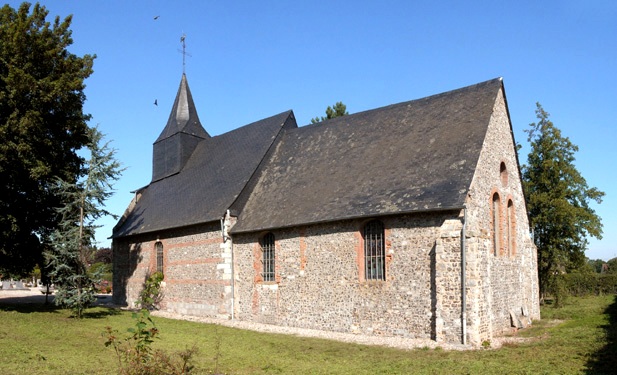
(579, 338)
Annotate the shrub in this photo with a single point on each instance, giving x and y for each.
(137, 357)
(585, 284)
(151, 294)
(103, 287)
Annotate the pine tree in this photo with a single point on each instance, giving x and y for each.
(558, 200)
(337, 110)
(42, 126)
(71, 242)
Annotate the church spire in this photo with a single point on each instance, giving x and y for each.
(183, 117)
(180, 136)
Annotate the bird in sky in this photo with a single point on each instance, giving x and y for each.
(156, 17)
(156, 102)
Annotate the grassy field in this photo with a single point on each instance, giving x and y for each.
(580, 338)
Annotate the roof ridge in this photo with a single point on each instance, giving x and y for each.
(284, 113)
(389, 106)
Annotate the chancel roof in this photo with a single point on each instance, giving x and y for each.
(408, 157)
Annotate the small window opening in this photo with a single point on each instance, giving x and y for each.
(511, 228)
(503, 174)
(496, 223)
(374, 251)
(159, 256)
(268, 257)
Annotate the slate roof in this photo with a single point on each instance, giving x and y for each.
(206, 187)
(414, 156)
(408, 157)
(178, 140)
(183, 116)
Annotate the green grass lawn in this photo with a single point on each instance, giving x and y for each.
(580, 338)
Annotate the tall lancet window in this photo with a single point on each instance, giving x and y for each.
(511, 228)
(496, 232)
(374, 251)
(268, 257)
(159, 256)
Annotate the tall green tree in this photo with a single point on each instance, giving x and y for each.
(84, 203)
(337, 110)
(42, 125)
(596, 265)
(558, 200)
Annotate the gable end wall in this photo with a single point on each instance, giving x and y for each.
(506, 284)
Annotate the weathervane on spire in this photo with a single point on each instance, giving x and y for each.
(184, 53)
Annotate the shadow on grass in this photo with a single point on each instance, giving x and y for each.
(27, 303)
(604, 361)
(31, 307)
(31, 304)
(102, 312)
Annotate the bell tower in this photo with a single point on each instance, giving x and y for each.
(180, 136)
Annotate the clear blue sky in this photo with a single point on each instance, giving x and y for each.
(253, 59)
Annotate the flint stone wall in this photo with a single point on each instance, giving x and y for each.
(319, 284)
(498, 285)
(197, 270)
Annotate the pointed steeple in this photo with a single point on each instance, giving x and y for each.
(183, 117)
(180, 136)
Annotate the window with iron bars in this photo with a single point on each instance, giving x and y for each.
(159, 256)
(374, 251)
(268, 256)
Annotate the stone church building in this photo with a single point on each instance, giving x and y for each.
(407, 220)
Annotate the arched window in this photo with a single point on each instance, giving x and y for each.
(268, 256)
(503, 174)
(511, 228)
(158, 246)
(496, 233)
(374, 251)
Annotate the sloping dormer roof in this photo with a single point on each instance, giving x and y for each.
(408, 157)
(213, 177)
